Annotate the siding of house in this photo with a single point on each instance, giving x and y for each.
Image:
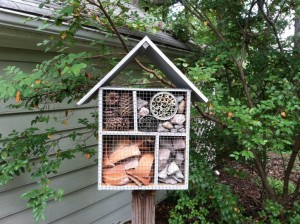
(82, 202)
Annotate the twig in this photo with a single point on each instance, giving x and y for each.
(239, 63)
(103, 55)
(208, 117)
(117, 33)
(260, 7)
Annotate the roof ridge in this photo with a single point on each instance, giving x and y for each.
(159, 59)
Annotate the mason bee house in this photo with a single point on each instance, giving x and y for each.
(143, 138)
(144, 133)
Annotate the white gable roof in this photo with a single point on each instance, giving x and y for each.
(159, 59)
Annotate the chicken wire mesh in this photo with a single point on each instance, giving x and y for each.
(161, 111)
(117, 110)
(128, 160)
(171, 157)
(143, 138)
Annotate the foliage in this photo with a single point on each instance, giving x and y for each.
(239, 54)
(277, 185)
(206, 201)
(294, 213)
(36, 150)
(255, 76)
(64, 79)
(271, 212)
(253, 71)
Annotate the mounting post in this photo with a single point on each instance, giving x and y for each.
(143, 207)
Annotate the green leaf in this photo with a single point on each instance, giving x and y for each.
(76, 69)
(67, 10)
(4, 155)
(43, 26)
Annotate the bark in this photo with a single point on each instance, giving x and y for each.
(263, 176)
(244, 82)
(289, 168)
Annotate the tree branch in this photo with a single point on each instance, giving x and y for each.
(117, 33)
(115, 30)
(263, 176)
(260, 4)
(289, 168)
(208, 117)
(239, 63)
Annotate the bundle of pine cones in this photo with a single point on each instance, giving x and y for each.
(117, 111)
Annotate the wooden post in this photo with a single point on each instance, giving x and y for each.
(143, 207)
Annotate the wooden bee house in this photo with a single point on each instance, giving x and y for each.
(144, 133)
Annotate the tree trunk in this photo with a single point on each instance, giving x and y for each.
(143, 207)
(289, 168)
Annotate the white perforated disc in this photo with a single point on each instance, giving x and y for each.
(163, 105)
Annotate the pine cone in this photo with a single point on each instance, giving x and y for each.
(125, 124)
(125, 105)
(111, 112)
(112, 98)
(117, 123)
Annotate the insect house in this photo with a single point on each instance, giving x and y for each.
(143, 132)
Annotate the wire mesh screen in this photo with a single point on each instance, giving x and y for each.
(128, 160)
(143, 138)
(117, 110)
(161, 111)
(171, 157)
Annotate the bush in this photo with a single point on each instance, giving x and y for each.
(206, 201)
(277, 185)
(274, 213)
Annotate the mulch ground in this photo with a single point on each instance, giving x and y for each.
(163, 209)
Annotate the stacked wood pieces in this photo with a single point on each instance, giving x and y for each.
(128, 161)
(117, 110)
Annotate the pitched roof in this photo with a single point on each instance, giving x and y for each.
(159, 59)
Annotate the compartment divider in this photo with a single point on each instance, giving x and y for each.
(156, 160)
(135, 119)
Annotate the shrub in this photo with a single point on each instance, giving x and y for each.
(206, 201)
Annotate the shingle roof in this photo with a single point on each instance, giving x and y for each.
(32, 7)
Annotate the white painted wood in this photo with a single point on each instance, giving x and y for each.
(155, 185)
